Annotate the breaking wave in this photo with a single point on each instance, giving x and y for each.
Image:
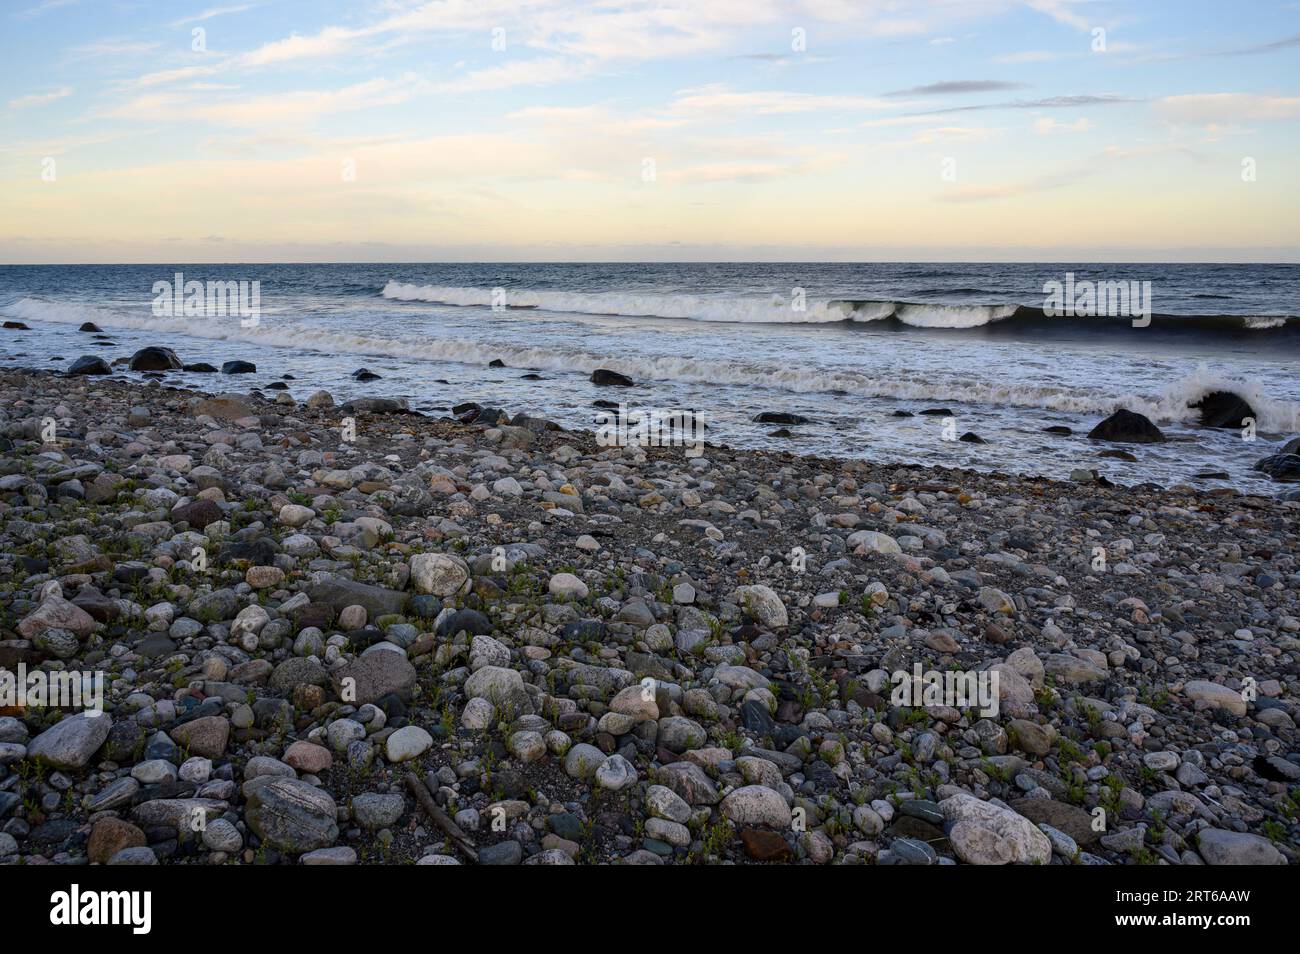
(1168, 405)
(777, 309)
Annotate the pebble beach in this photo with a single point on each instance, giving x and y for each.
(348, 633)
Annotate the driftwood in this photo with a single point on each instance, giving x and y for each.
(440, 818)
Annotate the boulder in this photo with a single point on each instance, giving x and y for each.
(89, 364)
(606, 377)
(1127, 427)
(155, 359)
(1223, 409)
(70, 743)
(985, 834)
(374, 675)
(293, 815)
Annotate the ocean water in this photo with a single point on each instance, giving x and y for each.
(846, 345)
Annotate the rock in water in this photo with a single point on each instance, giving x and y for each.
(89, 326)
(605, 376)
(1283, 467)
(89, 364)
(780, 417)
(292, 815)
(155, 359)
(238, 367)
(1128, 427)
(1223, 409)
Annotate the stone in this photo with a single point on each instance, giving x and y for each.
(756, 805)
(57, 613)
(374, 811)
(1128, 427)
(206, 736)
(374, 675)
(566, 586)
(110, 835)
(154, 359)
(1219, 847)
(438, 574)
(1215, 696)
(763, 606)
(308, 757)
(984, 834)
(71, 742)
(292, 815)
(407, 743)
(502, 687)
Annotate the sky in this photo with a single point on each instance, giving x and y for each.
(624, 130)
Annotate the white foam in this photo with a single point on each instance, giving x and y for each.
(745, 310)
(1169, 405)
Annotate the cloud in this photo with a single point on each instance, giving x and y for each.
(1227, 107)
(213, 12)
(329, 42)
(114, 48)
(958, 87)
(719, 99)
(1283, 44)
(1062, 11)
(45, 6)
(1047, 125)
(40, 99)
(1050, 102)
(534, 72)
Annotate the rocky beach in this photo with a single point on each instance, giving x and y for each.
(349, 633)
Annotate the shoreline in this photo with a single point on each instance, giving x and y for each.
(518, 584)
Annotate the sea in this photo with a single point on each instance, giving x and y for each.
(858, 350)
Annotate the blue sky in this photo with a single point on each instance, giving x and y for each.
(715, 129)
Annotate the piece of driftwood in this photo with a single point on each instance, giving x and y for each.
(440, 818)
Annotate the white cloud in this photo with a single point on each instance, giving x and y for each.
(40, 99)
(1227, 107)
(719, 99)
(1047, 125)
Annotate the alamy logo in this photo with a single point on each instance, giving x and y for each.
(653, 427)
(1089, 299)
(77, 907)
(929, 689)
(61, 689)
(211, 299)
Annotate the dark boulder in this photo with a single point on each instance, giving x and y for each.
(16, 326)
(238, 367)
(937, 412)
(1060, 429)
(607, 377)
(89, 326)
(364, 374)
(155, 359)
(200, 367)
(780, 417)
(970, 437)
(1284, 467)
(1223, 409)
(88, 364)
(496, 363)
(1127, 427)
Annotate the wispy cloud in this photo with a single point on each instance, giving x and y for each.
(958, 87)
(213, 12)
(40, 99)
(1050, 102)
(1227, 107)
